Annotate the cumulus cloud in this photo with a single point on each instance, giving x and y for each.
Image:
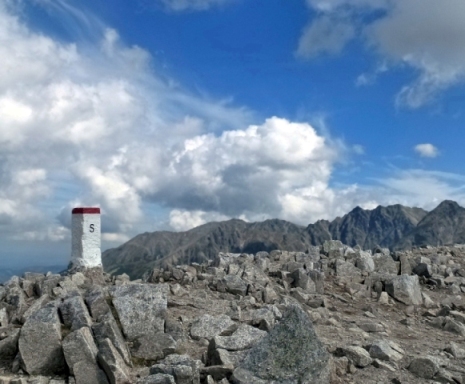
(426, 150)
(106, 129)
(86, 129)
(424, 35)
(192, 5)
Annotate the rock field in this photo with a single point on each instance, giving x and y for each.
(333, 314)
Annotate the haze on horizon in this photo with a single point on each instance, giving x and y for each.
(172, 113)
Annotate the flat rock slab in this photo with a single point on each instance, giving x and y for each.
(207, 327)
(40, 342)
(141, 308)
(154, 347)
(290, 353)
(243, 338)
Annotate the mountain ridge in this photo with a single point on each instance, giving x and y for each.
(396, 227)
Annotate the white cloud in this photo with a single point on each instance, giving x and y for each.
(325, 35)
(193, 5)
(423, 35)
(102, 125)
(182, 220)
(426, 150)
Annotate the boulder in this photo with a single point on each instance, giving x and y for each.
(40, 342)
(290, 353)
(405, 289)
(357, 355)
(97, 303)
(154, 347)
(9, 343)
(243, 338)
(79, 346)
(183, 368)
(405, 266)
(86, 373)
(385, 264)
(381, 350)
(232, 284)
(347, 269)
(301, 279)
(112, 363)
(423, 269)
(207, 327)
(141, 308)
(364, 261)
(74, 313)
(108, 329)
(425, 367)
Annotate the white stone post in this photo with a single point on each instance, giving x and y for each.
(85, 226)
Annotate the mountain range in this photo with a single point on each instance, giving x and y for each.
(395, 227)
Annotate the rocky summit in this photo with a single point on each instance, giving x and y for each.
(332, 314)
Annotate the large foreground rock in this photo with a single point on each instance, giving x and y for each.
(40, 342)
(141, 308)
(405, 289)
(290, 353)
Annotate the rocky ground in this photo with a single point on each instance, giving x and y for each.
(334, 314)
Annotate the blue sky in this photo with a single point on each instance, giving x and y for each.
(171, 113)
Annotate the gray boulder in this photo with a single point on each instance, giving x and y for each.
(108, 329)
(86, 373)
(40, 342)
(9, 344)
(364, 261)
(357, 355)
(405, 289)
(232, 284)
(207, 327)
(244, 337)
(154, 347)
(183, 368)
(301, 279)
(97, 304)
(425, 367)
(112, 363)
(79, 346)
(74, 313)
(381, 350)
(346, 269)
(385, 264)
(141, 308)
(290, 353)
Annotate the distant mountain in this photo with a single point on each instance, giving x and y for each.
(383, 226)
(394, 227)
(203, 243)
(444, 225)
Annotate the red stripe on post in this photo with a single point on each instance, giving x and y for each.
(86, 210)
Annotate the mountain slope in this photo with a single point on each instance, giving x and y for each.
(385, 226)
(203, 243)
(444, 225)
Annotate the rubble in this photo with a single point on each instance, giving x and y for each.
(333, 314)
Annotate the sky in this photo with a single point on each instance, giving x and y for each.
(169, 114)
